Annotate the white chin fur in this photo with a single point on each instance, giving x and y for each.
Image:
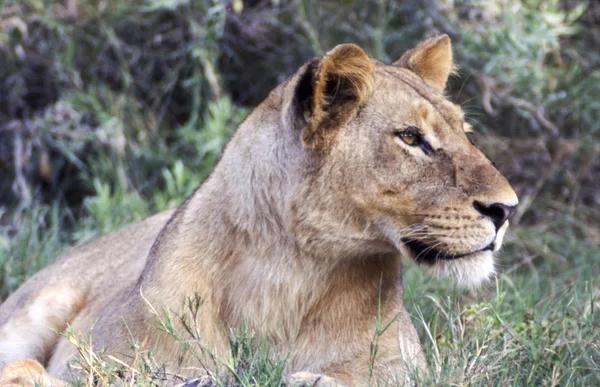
(470, 271)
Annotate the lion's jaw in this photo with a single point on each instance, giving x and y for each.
(468, 270)
(474, 269)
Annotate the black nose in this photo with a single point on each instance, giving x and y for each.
(497, 212)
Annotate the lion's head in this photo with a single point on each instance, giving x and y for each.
(390, 166)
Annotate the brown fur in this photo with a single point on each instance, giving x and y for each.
(298, 232)
(26, 373)
(342, 82)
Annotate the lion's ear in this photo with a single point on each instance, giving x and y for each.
(330, 92)
(431, 60)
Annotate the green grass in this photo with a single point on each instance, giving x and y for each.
(539, 324)
(135, 101)
(29, 242)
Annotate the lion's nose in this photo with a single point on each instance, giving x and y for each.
(497, 212)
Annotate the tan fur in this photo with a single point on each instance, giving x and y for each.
(298, 232)
(431, 60)
(26, 373)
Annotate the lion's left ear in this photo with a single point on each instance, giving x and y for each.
(330, 91)
(431, 60)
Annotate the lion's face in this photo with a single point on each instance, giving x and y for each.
(400, 173)
(420, 181)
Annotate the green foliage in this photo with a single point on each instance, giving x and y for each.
(111, 111)
(527, 65)
(108, 211)
(533, 327)
(253, 361)
(30, 240)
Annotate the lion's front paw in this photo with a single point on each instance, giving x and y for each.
(307, 379)
(26, 372)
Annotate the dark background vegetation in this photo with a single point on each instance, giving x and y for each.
(112, 110)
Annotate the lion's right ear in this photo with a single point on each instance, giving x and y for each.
(431, 60)
(330, 91)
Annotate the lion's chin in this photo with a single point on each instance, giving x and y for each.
(469, 271)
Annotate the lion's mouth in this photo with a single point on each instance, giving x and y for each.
(429, 254)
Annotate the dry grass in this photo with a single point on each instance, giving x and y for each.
(110, 111)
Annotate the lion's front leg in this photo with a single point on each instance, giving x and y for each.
(399, 359)
(409, 345)
(27, 372)
(411, 363)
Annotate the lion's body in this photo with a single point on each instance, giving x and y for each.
(67, 292)
(295, 234)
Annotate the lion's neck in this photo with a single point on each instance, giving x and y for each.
(268, 280)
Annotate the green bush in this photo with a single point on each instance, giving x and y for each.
(114, 110)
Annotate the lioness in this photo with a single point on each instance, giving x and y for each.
(298, 233)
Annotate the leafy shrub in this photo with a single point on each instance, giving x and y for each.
(113, 110)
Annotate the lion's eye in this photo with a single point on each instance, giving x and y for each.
(410, 138)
